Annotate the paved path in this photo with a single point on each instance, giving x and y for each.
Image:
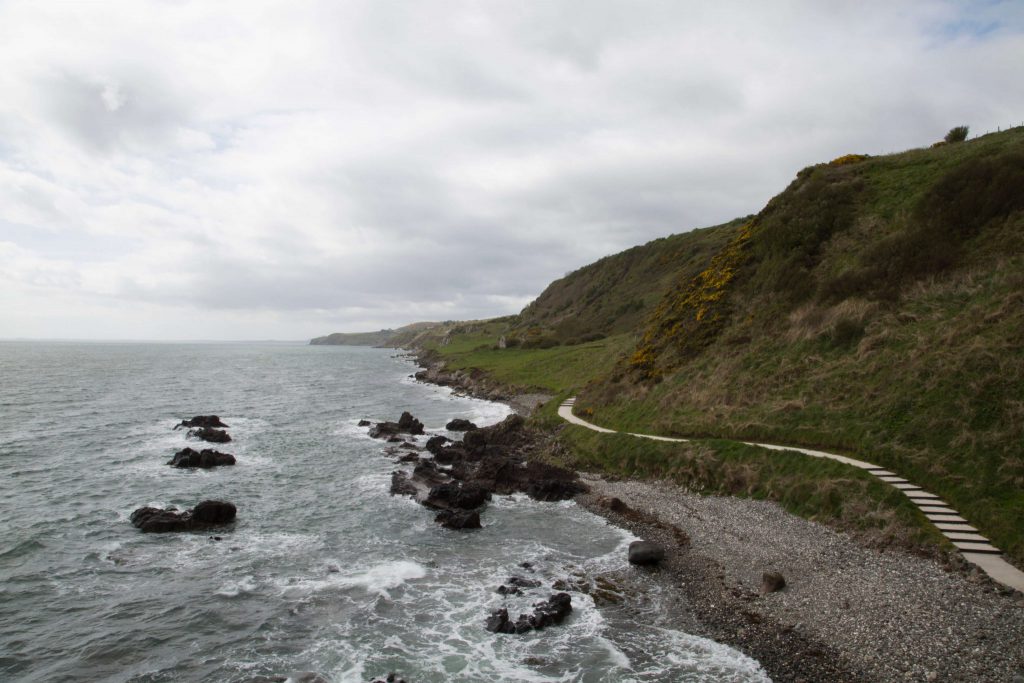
(972, 545)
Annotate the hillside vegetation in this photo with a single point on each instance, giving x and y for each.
(402, 336)
(874, 307)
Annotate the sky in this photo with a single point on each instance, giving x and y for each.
(280, 170)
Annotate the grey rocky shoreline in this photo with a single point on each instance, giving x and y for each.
(848, 613)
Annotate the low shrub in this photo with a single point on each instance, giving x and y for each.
(958, 134)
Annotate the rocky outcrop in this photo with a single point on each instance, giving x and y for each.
(203, 459)
(458, 519)
(407, 424)
(552, 611)
(211, 421)
(210, 434)
(463, 475)
(204, 515)
(459, 425)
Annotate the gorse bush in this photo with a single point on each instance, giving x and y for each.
(958, 134)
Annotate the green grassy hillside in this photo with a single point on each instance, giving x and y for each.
(401, 336)
(875, 307)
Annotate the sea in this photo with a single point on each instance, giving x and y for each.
(323, 571)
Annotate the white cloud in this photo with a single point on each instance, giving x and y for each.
(285, 169)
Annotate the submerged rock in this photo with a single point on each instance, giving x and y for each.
(210, 434)
(645, 553)
(458, 519)
(210, 421)
(204, 459)
(205, 514)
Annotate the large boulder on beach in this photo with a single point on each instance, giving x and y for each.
(204, 459)
(205, 514)
(460, 425)
(210, 434)
(211, 421)
(645, 553)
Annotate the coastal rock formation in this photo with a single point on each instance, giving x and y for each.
(459, 425)
(457, 495)
(210, 421)
(407, 424)
(210, 434)
(205, 514)
(204, 459)
(552, 611)
(463, 475)
(458, 519)
(645, 553)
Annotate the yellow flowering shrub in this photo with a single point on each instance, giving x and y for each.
(689, 316)
(848, 159)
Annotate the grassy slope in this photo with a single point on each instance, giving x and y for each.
(862, 317)
(880, 313)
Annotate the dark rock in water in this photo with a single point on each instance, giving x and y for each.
(406, 424)
(772, 582)
(645, 553)
(410, 424)
(520, 582)
(456, 495)
(391, 678)
(552, 611)
(436, 443)
(210, 421)
(204, 459)
(458, 519)
(401, 486)
(499, 622)
(460, 425)
(528, 566)
(364, 423)
(408, 444)
(214, 512)
(508, 590)
(205, 514)
(395, 439)
(409, 457)
(210, 434)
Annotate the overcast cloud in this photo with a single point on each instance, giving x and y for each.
(201, 170)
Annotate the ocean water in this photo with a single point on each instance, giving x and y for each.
(322, 571)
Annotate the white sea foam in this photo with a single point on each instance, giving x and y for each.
(232, 589)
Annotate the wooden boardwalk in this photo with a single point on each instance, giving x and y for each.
(975, 548)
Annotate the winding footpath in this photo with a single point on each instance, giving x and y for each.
(975, 548)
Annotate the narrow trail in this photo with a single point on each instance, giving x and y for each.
(975, 548)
